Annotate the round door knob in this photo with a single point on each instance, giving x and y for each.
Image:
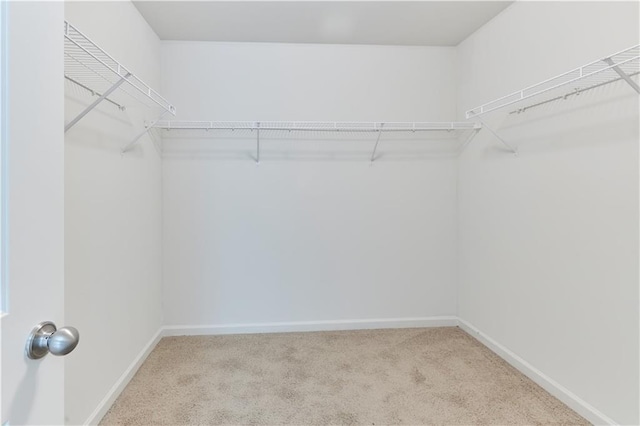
(63, 341)
(45, 338)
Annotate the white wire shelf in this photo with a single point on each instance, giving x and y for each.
(92, 69)
(318, 126)
(621, 66)
(457, 131)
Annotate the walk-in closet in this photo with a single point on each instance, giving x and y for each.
(320, 212)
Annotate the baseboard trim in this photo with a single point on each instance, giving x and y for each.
(574, 402)
(123, 381)
(288, 327)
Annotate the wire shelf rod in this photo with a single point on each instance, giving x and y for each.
(568, 95)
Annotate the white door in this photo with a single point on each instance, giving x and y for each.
(33, 208)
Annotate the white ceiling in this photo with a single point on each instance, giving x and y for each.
(416, 23)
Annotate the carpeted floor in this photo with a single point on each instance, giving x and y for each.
(404, 376)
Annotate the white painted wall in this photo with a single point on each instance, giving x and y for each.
(314, 232)
(112, 217)
(549, 240)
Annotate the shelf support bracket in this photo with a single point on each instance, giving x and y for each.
(148, 127)
(258, 143)
(375, 147)
(505, 143)
(473, 134)
(96, 102)
(622, 74)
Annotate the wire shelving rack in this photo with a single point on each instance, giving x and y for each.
(457, 131)
(621, 66)
(93, 70)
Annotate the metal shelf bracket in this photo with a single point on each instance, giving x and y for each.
(96, 102)
(505, 143)
(258, 143)
(375, 147)
(147, 127)
(469, 139)
(622, 74)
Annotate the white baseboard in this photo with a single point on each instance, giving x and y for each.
(574, 402)
(123, 381)
(286, 327)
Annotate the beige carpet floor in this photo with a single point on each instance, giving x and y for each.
(379, 377)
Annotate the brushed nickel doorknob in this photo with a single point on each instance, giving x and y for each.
(45, 338)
